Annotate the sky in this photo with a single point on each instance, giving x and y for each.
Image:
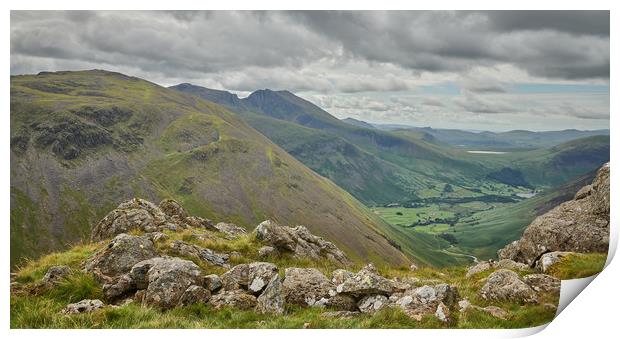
(502, 70)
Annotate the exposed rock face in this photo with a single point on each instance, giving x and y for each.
(167, 280)
(135, 214)
(193, 251)
(173, 209)
(259, 275)
(490, 264)
(194, 295)
(543, 282)
(55, 275)
(365, 282)
(495, 311)
(232, 231)
(272, 298)
(234, 298)
(212, 282)
(236, 278)
(299, 241)
(549, 259)
(372, 303)
(267, 251)
(119, 256)
(305, 286)
(340, 275)
(426, 300)
(83, 306)
(506, 285)
(579, 225)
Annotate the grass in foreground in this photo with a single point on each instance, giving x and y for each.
(35, 307)
(579, 265)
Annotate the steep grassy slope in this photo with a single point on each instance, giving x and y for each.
(378, 167)
(83, 141)
(485, 232)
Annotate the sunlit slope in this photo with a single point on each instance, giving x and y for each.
(81, 142)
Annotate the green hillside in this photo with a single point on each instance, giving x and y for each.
(81, 142)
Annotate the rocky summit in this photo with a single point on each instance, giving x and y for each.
(160, 257)
(579, 225)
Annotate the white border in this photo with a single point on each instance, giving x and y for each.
(593, 313)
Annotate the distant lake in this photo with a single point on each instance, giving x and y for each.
(486, 152)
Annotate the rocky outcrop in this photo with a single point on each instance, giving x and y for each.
(235, 278)
(305, 286)
(232, 231)
(193, 251)
(365, 282)
(135, 214)
(234, 298)
(166, 280)
(120, 255)
(491, 264)
(543, 282)
(506, 285)
(425, 300)
(83, 306)
(260, 275)
(272, 298)
(55, 275)
(547, 260)
(300, 242)
(578, 225)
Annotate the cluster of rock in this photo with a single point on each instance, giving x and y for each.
(140, 268)
(299, 241)
(579, 225)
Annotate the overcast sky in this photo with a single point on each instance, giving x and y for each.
(469, 70)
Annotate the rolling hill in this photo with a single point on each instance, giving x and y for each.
(384, 166)
(82, 142)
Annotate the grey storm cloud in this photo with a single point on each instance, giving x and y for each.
(561, 44)
(335, 53)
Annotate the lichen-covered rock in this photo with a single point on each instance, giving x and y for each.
(365, 282)
(194, 251)
(259, 275)
(425, 300)
(372, 303)
(543, 283)
(549, 259)
(236, 278)
(579, 225)
(233, 298)
(55, 275)
(506, 285)
(83, 306)
(173, 209)
(491, 264)
(232, 231)
(119, 256)
(280, 237)
(342, 302)
(272, 298)
(194, 295)
(212, 282)
(442, 312)
(267, 251)
(135, 214)
(340, 275)
(166, 278)
(305, 286)
(299, 241)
